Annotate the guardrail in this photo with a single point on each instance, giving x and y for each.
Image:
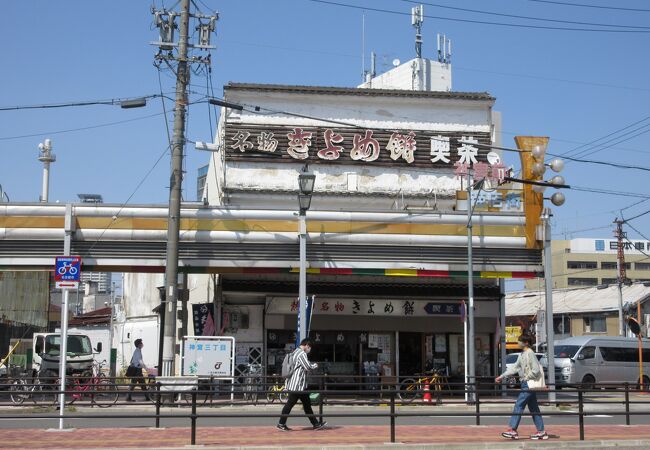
(44, 392)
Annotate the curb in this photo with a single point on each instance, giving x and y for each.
(602, 444)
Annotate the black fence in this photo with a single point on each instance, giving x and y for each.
(210, 395)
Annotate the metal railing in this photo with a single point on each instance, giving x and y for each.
(44, 393)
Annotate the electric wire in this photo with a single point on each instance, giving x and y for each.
(568, 152)
(91, 127)
(515, 16)
(638, 232)
(110, 102)
(478, 22)
(582, 5)
(638, 215)
(162, 101)
(123, 205)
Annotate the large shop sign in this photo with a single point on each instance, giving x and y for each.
(349, 145)
(378, 307)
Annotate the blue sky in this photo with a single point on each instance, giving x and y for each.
(572, 86)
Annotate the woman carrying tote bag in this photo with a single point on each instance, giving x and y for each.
(531, 375)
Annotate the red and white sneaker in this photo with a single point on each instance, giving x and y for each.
(510, 434)
(540, 435)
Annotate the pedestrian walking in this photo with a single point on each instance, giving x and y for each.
(134, 371)
(529, 370)
(297, 386)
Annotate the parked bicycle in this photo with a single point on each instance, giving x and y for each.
(277, 391)
(411, 388)
(40, 390)
(101, 391)
(252, 382)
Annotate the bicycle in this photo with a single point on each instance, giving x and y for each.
(102, 392)
(36, 389)
(411, 388)
(252, 381)
(277, 391)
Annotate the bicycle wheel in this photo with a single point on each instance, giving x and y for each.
(19, 392)
(105, 394)
(45, 394)
(408, 390)
(283, 396)
(272, 394)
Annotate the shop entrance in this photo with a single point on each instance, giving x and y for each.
(410, 354)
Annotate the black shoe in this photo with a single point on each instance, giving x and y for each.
(282, 427)
(320, 426)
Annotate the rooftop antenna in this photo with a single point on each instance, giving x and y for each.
(417, 17)
(363, 48)
(444, 49)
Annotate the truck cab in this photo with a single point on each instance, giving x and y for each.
(47, 347)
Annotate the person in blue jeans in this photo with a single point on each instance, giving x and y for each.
(528, 368)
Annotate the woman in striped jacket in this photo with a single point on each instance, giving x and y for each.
(297, 386)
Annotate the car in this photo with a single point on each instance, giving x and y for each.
(511, 359)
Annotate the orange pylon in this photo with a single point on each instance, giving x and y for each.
(427, 394)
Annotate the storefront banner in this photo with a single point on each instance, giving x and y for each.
(380, 307)
(512, 334)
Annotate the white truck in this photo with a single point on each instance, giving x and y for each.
(46, 354)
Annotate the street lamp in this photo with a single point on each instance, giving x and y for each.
(306, 182)
(533, 167)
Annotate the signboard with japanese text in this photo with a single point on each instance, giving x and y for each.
(380, 307)
(609, 246)
(67, 272)
(211, 356)
(512, 334)
(354, 146)
(203, 319)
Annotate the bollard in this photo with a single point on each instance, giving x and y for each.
(193, 418)
(157, 388)
(392, 416)
(627, 403)
(322, 399)
(478, 406)
(581, 415)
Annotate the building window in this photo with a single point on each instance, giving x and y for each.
(582, 265)
(609, 265)
(642, 266)
(562, 325)
(595, 324)
(609, 281)
(582, 281)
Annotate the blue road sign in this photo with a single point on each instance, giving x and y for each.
(67, 268)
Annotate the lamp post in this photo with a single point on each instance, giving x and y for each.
(306, 181)
(533, 168)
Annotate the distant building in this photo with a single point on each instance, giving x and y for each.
(200, 182)
(102, 279)
(578, 311)
(592, 262)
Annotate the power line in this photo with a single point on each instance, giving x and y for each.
(514, 16)
(123, 205)
(582, 5)
(70, 130)
(479, 22)
(637, 216)
(617, 139)
(639, 233)
(113, 102)
(609, 192)
(606, 136)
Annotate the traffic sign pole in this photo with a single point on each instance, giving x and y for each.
(63, 354)
(67, 273)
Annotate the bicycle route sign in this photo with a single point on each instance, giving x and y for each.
(67, 272)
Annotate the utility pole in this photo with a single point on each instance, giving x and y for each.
(622, 276)
(470, 351)
(166, 22)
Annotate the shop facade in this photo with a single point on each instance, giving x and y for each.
(386, 231)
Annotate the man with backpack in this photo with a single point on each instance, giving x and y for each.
(294, 368)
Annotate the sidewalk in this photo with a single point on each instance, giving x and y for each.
(562, 436)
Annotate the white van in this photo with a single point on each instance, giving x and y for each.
(46, 348)
(589, 360)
